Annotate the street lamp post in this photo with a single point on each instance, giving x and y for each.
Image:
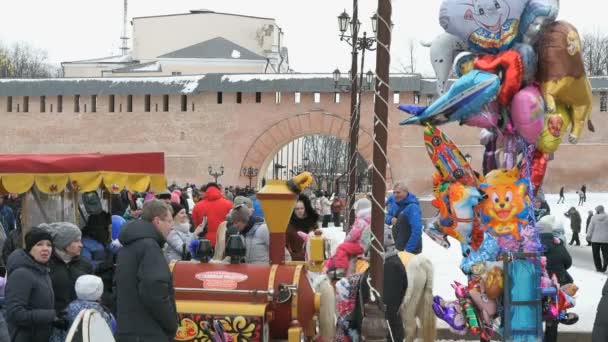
(250, 173)
(215, 174)
(358, 44)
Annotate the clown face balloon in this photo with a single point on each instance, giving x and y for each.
(488, 26)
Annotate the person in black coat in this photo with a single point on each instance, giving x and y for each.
(30, 305)
(575, 225)
(558, 263)
(144, 285)
(600, 326)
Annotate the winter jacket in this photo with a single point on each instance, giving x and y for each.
(257, 208)
(95, 253)
(394, 208)
(30, 306)
(177, 242)
(78, 305)
(575, 220)
(144, 286)
(257, 242)
(295, 244)
(215, 207)
(63, 276)
(325, 206)
(13, 241)
(7, 218)
(336, 206)
(598, 228)
(408, 230)
(600, 326)
(558, 258)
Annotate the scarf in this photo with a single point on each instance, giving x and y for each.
(182, 227)
(305, 225)
(63, 256)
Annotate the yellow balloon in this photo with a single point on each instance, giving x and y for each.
(556, 126)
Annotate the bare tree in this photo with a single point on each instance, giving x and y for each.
(24, 61)
(594, 47)
(328, 160)
(409, 64)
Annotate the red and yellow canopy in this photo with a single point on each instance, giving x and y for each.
(85, 172)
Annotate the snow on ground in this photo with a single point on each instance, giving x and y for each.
(447, 264)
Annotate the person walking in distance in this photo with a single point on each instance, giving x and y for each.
(146, 308)
(598, 235)
(575, 225)
(584, 191)
(581, 198)
(561, 199)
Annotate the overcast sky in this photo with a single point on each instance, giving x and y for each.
(84, 29)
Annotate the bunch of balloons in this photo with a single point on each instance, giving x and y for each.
(521, 78)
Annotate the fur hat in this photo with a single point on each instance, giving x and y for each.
(36, 235)
(89, 287)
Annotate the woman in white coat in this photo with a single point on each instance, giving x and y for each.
(180, 236)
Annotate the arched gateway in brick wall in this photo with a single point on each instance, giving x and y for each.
(267, 144)
(240, 120)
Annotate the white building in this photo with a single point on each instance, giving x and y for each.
(198, 42)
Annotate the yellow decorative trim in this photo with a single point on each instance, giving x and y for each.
(53, 183)
(294, 296)
(220, 308)
(271, 277)
(294, 334)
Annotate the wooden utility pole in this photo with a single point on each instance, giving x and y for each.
(383, 60)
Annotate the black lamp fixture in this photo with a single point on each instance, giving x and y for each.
(374, 20)
(343, 20)
(205, 250)
(369, 78)
(235, 249)
(215, 174)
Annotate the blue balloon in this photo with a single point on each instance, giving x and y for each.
(466, 97)
(488, 251)
(117, 223)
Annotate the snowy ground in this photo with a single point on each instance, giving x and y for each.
(446, 262)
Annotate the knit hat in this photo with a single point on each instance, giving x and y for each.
(64, 233)
(176, 208)
(545, 224)
(34, 236)
(362, 204)
(89, 287)
(243, 200)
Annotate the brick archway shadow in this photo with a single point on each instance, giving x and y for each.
(267, 144)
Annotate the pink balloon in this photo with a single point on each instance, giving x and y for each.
(528, 113)
(487, 118)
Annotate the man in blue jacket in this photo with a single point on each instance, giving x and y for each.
(408, 227)
(395, 203)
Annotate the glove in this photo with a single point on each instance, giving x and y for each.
(61, 322)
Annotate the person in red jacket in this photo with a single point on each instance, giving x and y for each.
(214, 207)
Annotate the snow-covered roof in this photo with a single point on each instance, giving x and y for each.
(111, 59)
(211, 83)
(100, 86)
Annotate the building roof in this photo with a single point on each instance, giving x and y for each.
(217, 47)
(110, 60)
(141, 67)
(202, 11)
(211, 83)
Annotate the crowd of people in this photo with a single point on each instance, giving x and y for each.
(118, 263)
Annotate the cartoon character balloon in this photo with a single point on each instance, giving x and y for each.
(555, 127)
(488, 26)
(562, 75)
(444, 49)
(537, 15)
